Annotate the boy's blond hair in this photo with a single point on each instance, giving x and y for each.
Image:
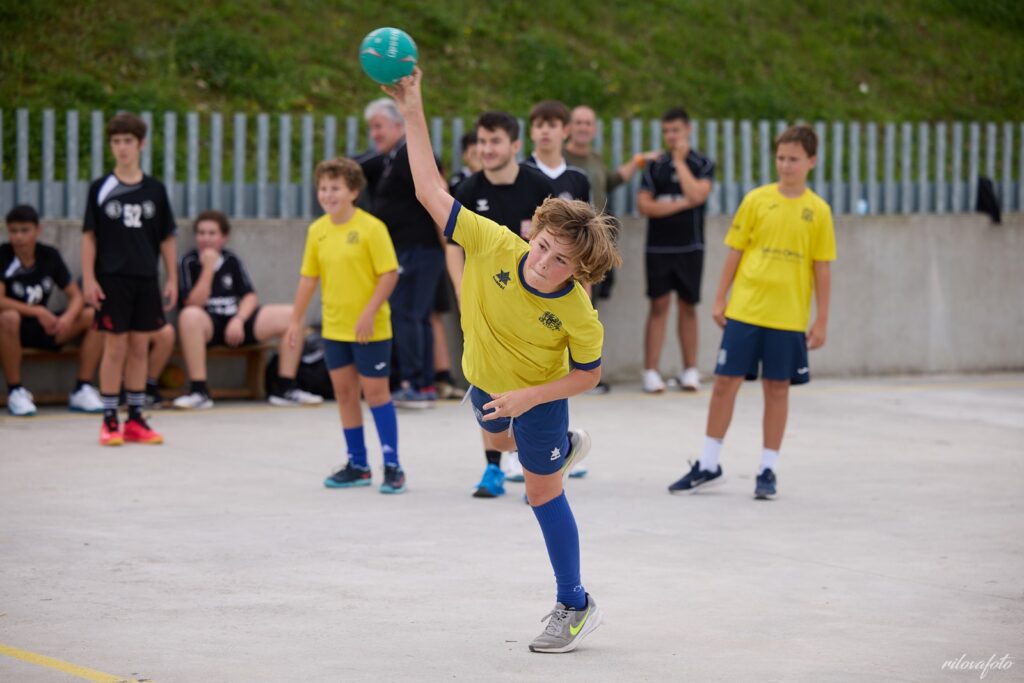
(592, 235)
(346, 169)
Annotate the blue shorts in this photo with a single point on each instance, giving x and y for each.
(781, 354)
(372, 359)
(542, 432)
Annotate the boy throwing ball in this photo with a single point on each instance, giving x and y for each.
(532, 340)
(780, 247)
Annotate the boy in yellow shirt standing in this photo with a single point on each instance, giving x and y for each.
(781, 245)
(350, 255)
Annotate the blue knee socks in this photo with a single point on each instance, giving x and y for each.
(563, 541)
(356, 446)
(387, 428)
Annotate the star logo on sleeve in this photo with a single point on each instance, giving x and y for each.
(555, 454)
(502, 279)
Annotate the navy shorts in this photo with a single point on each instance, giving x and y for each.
(372, 359)
(780, 354)
(541, 433)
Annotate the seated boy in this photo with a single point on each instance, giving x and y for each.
(220, 308)
(30, 272)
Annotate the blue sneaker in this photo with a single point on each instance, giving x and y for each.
(765, 488)
(348, 477)
(394, 480)
(696, 478)
(492, 484)
(410, 398)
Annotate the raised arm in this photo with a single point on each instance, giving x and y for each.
(431, 188)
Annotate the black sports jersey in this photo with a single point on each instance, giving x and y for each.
(454, 181)
(571, 183)
(231, 282)
(683, 231)
(507, 205)
(33, 285)
(130, 222)
(393, 199)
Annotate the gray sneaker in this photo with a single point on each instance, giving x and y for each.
(567, 627)
(579, 442)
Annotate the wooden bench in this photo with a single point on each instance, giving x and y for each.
(255, 360)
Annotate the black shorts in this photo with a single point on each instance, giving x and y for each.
(445, 294)
(132, 304)
(220, 323)
(33, 336)
(679, 272)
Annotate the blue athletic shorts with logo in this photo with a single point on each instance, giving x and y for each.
(541, 432)
(372, 359)
(780, 354)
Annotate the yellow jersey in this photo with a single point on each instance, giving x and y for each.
(349, 259)
(780, 238)
(514, 335)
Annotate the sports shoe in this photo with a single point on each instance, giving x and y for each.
(295, 397)
(85, 400)
(765, 488)
(394, 480)
(696, 478)
(513, 469)
(567, 627)
(492, 484)
(653, 383)
(111, 434)
(20, 403)
(407, 397)
(348, 477)
(450, 392)
(197, 400)
(689, 379)
(578, 471)
(579, 446)
(600, 390)
(137, 431)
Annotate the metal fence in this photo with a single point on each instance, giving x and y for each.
(866, 168)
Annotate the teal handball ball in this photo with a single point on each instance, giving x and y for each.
(387, 55)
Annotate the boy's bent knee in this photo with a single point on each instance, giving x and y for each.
(10, 321)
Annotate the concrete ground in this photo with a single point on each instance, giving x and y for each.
(896, 545)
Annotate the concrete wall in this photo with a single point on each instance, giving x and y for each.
(910, 294)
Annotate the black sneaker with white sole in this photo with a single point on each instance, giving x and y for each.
(695, 479)
(765, 488)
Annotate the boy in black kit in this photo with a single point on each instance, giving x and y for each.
(672, 196)
(128, 223)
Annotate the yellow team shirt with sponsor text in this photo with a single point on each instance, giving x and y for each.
(780, 238)
(349, 259)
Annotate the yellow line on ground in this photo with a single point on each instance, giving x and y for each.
(58, 665)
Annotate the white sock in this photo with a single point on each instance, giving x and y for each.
(768, 458)
(709, 458)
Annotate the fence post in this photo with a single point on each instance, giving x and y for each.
(819, 168)
(713, 204)
(306, 203)
(890, 167)
(284, 167)
(47, 176)
(958, 168)
(729, 165)
(1020, 170)
(940, 168)
(192, 168)
(71, 161)
(1, 145)
(990, 152)
(746, 157)
(437, 136)
(654, 135)
(351, 135)
(618, 201)
(238, 167)
(838, 195)
(147, 149)
(170, 145)
(636, 143)
(765, 149)
(97, 145)
(457, 133)
(1008, 203)
(21, 159)
(262, 164)
(855, 202)
(923, 143)
(973, 166)
(216, 160)
(907, 194)
(330, 137)
(872, 167)
(599, 137)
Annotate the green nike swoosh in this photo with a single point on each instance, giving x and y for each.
(574, 631)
